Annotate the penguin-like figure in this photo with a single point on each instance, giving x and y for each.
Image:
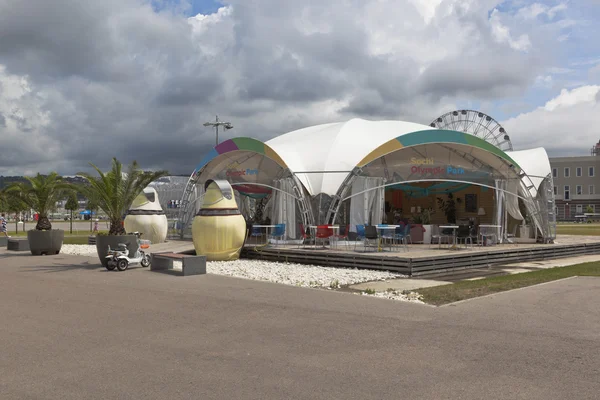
(147, 216)
(219, 229)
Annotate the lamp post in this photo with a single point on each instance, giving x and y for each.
(216, 124)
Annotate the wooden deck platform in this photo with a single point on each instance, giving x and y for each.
(421, 259)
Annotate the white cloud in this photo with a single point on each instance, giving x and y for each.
(535, 10)
(565, 125)
(99, 73)
(569, 98)
(502, 34)
(544, 81)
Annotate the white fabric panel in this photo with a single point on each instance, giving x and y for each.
(284, 207)
(378, 207)
(335, 147)
(512, 202)
(499, 212)
(368, 206)
(535, 163)
(531, 209)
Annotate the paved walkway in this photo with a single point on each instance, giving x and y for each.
(72, 330)
(474, 273)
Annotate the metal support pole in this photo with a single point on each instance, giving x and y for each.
(216, 124)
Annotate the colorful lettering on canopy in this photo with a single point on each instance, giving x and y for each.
(447, 170)
(421, 161)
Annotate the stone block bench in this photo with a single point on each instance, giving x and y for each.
(17, 244)
(190, 264)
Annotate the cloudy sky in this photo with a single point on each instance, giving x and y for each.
(82, 81)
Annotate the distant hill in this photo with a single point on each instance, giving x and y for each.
(7, 180)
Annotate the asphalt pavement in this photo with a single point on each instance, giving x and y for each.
(71, 330)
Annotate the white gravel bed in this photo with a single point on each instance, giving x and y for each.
(396, 295)
(298, 274)
(287, 273)
(79, 249)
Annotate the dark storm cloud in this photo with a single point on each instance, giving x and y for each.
(95, 79)
(476, 77)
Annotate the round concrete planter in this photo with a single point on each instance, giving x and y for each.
(45, 242)
(103, 241)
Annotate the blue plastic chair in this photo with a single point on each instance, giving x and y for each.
(256, 232)
(278, 232)
(402, 234)
(360, 234)
(386, 235)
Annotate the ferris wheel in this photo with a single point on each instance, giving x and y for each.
(477, 124)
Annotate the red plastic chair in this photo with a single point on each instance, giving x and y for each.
(303, 235)
(343, 235)
(323, 232)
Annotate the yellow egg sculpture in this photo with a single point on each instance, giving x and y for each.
(219, 229)
(147, 216)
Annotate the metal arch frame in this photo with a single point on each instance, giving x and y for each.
(532, 203)
(434, 180)
(468, 119)
(185, 216)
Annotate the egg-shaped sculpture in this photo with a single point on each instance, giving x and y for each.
(147, 216)
(219, 229)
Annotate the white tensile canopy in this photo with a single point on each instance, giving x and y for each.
(329, 152)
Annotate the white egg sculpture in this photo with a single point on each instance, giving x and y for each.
(147, 216)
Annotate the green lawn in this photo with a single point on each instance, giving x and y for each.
(578, 229)
(67, 234)
(445, 294)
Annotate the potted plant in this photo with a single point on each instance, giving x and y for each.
(426, 222)
(525, 229)
(113, 192)
(448, 206)
(41, 193)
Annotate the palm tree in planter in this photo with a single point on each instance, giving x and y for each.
(114, 192)
(40, 193)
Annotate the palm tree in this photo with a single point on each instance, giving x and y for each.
(71, 205)
(114, 191)
(40, 193)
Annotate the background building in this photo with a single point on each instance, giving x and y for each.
(576, 184)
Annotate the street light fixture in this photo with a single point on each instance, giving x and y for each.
(216, 124)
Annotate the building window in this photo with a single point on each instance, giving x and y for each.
(578, 189)
(591, 189)
(555, 190)
(579, 208)
(591, 171)
(554, 173)
(578, 171)
(567, 172)
(567, 192)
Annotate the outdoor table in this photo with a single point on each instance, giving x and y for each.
(488, 232)
(454, 229)
(383, 228)
(313, 229)
(267, 230)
